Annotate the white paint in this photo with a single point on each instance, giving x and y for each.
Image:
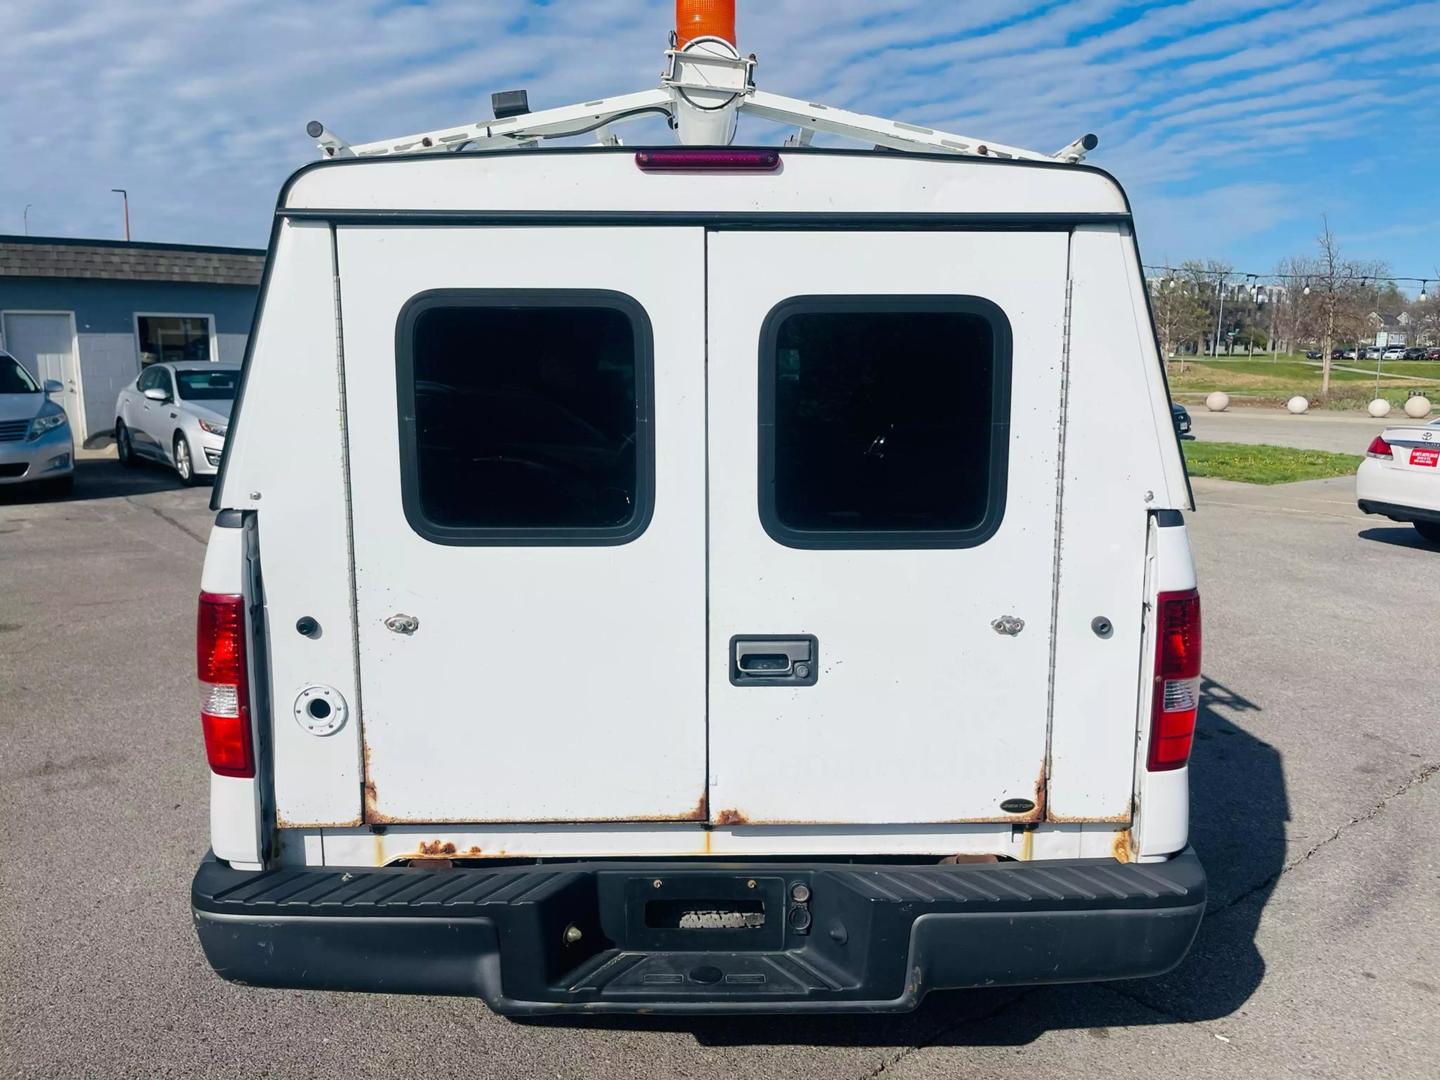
(361, 847)
(524, 697)
(1109, 468)
(610, 180)
(904, 722)
(286, 445)
(544, 682)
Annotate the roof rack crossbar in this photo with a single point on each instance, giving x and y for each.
(706, 87)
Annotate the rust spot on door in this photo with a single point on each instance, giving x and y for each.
(701, 810)
(1120, 848)
(1042, 785)
(436, 848)
(731, 817)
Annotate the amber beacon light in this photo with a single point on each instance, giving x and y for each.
(704, 18)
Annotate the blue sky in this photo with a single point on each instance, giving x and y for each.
(1233, 125)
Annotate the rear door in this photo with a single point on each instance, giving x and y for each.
(882, 523)
(527, 451)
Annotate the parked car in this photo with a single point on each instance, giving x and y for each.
(178, 414)
(1181, 416)
(1393, 352)
(733, 641)
(36, 445)
(1433, 352)
(1400, 477)
(1415, 352)
(1314, 354)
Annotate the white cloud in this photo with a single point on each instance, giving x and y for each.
(198, 106)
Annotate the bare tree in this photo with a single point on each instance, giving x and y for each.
(1335, 291)
(1292, 300)
(1179, 317)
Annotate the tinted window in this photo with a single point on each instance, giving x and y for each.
(204, 385)
(172, 338)
(884, 421)
(14, 379)
(525, 417)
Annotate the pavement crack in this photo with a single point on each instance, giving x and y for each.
(166, 518)
(1414, 780)
(944, 1030)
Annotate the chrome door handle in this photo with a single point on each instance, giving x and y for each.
(773, 660)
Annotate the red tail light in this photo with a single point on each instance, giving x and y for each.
(707, 160)
(1379, 448)
(1177, 679)
(224, 684)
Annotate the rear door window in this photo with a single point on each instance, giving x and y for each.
(884, 421)
(525, 417)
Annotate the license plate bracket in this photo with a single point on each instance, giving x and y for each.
(704, 912)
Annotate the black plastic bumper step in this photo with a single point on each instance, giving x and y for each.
(694, 936)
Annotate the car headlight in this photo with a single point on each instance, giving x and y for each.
(212, 427)
(43, 423)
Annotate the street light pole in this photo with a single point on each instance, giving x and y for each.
(1220, 290)
(125, 196)
(26, 216)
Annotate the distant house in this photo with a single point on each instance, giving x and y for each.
(92, 313)
(1390, 329)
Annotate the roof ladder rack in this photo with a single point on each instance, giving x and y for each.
(706, 87)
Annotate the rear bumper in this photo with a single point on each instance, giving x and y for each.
(591, 937)
(1396, 512)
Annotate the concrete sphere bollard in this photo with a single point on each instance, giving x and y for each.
(1417, 407)
(1379, 407)
(1297, 405)
(1219, 401)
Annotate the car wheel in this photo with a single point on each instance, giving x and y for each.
(1430, 530)
(123, 447)
(184, 463)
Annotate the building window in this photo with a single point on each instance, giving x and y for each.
(525, 417)
(174, 339)
(884, 421)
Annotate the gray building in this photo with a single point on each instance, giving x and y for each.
(92, 313)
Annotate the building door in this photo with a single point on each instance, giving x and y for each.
(44, 341)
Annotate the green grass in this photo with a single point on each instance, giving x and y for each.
(1265, 464)
(1261, 381)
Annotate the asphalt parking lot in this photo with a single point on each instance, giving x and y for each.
(1340, 432)
(1316, 812)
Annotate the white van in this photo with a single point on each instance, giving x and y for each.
(699, 580)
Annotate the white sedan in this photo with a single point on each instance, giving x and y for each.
(1400, 477)
(177, 414)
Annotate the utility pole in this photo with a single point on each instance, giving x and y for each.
(26, 216)
(1220, 291)
(1274, 309)
(125, 196)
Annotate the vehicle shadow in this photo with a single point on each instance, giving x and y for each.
(1239, 832)
(100, 479)
(1398, 536)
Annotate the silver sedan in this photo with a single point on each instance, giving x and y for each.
(177, 414)
(36, 446)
